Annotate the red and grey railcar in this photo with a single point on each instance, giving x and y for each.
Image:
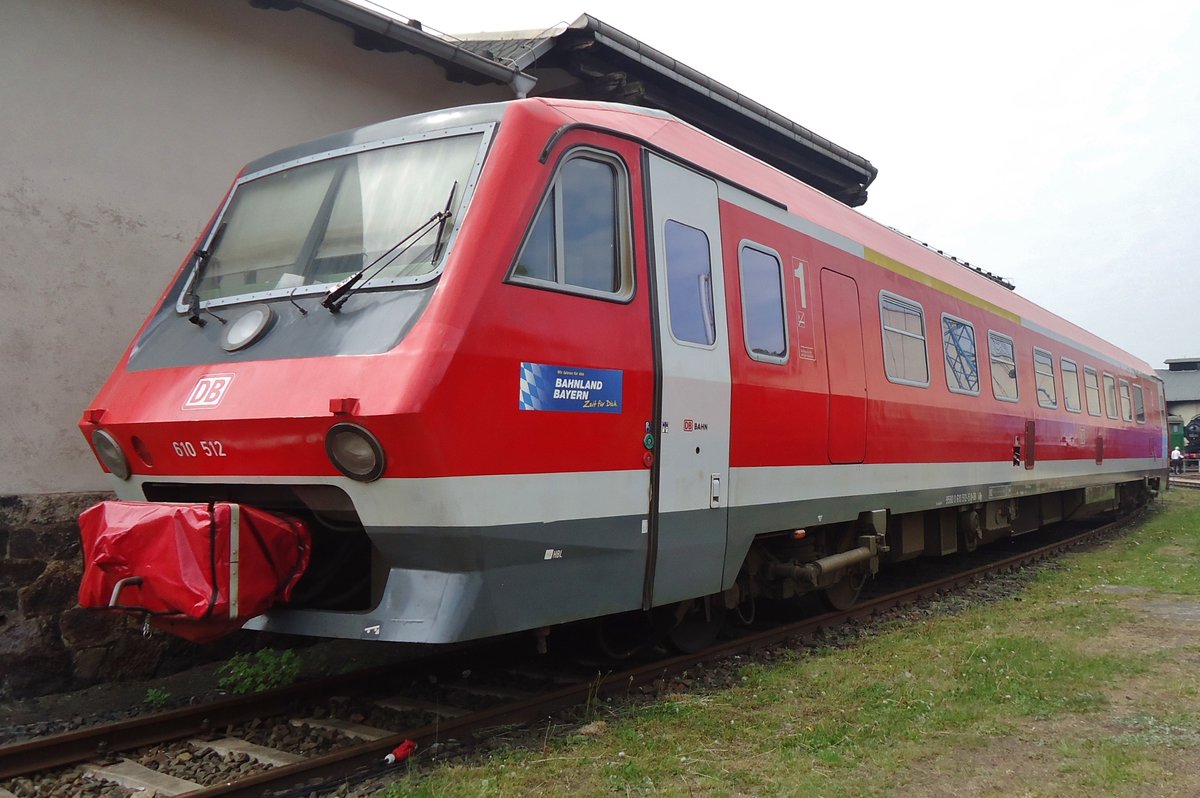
(516, 365)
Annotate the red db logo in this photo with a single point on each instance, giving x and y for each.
(209, 391)
(688, 425)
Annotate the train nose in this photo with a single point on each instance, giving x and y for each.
(199, 571)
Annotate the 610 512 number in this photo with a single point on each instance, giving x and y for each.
(206, 448)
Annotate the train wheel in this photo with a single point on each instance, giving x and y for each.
(695, 624)
(843, 594)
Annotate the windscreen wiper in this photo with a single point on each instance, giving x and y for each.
(341, 292)
(437, 242)
(202, 257)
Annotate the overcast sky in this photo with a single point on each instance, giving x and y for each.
(1053, 143)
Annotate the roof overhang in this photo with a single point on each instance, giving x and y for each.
(607, 64)
(379, 30)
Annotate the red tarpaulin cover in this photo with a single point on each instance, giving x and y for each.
(187, 557)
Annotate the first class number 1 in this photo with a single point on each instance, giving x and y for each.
(206, 448)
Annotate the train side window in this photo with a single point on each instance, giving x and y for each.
(1043, 375)
(962, 358)
(1070, 378)
(762, 304)
(689, 284)
(1091, 382)
(1139, 404)
(905, 358)
(1110, 396)
(580, 240)
(1002, 355)
(1126, 402)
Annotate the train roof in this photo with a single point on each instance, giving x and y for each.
(923, 264)
(670, 134)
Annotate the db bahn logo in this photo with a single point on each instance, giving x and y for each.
(209, 391)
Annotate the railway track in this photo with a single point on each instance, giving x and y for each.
(427, 712)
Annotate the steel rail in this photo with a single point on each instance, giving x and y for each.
(51, 751)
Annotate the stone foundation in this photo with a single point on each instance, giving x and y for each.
(47, 642)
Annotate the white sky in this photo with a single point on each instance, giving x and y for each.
(1053, 143)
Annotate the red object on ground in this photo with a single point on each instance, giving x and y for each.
(400, 752)
(199, 570)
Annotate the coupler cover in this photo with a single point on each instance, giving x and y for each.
(199, 571)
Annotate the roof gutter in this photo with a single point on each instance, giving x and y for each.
(415, 38)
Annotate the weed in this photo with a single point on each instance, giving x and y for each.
(261, 670)
(156, 697)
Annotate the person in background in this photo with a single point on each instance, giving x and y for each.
(1176, 461)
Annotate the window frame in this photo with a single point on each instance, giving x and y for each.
(1062, 361)
(1125, 397)
(1016, 373)
(923, 338)
(1139, 403)
(763, 249)
(1099, 393)
(712, 297)
(624, 231)
(1110, 406)
(1049, 360)
(975, 338)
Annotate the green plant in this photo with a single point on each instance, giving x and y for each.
(156, 697)
(258, 671)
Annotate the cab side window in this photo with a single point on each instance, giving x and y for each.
(580, 239)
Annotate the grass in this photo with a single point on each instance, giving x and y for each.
(1024, 696)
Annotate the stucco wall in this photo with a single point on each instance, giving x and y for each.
(124, 122)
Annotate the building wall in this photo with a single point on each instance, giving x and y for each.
(1185, 410)
(124, 123)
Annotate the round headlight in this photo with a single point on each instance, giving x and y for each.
(109, 452)
(247, 328)
(355, 452)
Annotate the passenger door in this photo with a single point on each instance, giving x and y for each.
(840, 311)
(692, 472)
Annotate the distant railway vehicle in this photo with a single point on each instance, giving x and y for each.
(510, 366)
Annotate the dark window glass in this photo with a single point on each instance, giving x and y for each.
(1110, 396)
(538, 258)
(762, 304)
(589, 205)
(1091, 382)
(1126, 402)
(1070, 378)
(1139, 404)
(689, 284)
(1004, 367)
(1043, 375)
(579, 237)
(962, 362)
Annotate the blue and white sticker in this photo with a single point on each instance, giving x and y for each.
(570, 389)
